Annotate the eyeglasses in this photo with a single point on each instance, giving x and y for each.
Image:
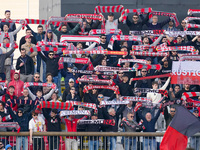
(100, 96)
(37, 77)
(19, 112)
(196, 112)
(144, 71)
(173, 111)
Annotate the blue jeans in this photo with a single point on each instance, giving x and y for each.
(93, 145)
(112, 142)
(149, 142)
(22, 140)
(130, 143)
(195, 141)
(59, 83)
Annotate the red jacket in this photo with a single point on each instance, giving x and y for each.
(71, 126)
(18, 87)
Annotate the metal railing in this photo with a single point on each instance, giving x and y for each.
(88, 140)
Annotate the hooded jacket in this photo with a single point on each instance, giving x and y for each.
(18, 84)
(7, 96)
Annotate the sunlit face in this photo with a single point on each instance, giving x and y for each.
(28, 32)
(54, 96)
(28, 40)
(51, 55)
(7, 15)
(39, 94)
(155, 86)
(64, 29)
(16, 76)
(112, 112)
(36, 77)
(35, 116)
(146, 40)
(79, 46)
(25, 92)
(49, 78)
(103, 39)
(130, 117)
(135, 18)
(100, 97)
(144, 72)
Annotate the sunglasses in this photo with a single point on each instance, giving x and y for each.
(132, 116)
(72, 89)
(144, 71)
(100, 96)
(173, 111)
(20, 112)
(196, 112)
(51, 54)
(135, 17)
(120, 73)
(37, 77)
(103, 38)
(35, 115)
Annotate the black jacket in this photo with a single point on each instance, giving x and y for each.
(28, 67)
(52, 64)
(23, 121)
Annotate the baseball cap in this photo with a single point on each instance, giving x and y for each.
(71, 80)
(49, 31)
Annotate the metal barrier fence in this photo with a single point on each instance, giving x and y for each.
(88, 140)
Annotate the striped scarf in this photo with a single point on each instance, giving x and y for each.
(161, 13)
(136, 99)
(193, 11)
(104, 31)
(21, 101)
(42, 43)
(182, 33)
(136, 11)
(63, 19)
(142, 47)
(189, 57)
(147, 32)
(122, 38)
(152, 77)
(178, 48)
(18, 21)
(93, 79)
(147, 66)
(90, 87)
(151, 54)
(186, 95)
(75, 112)
(10, 125)
(113, 102)
(188, 19)
(55, 105)
(91, 72)
(75, 60)
(189, 25)
(105, 52)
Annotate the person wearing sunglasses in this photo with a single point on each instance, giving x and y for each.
(23, 121)
(36, 124)
(136, 25)
(130, 126)
(36, 78)
(51, 64)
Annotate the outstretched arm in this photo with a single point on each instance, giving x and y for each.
(48, 95)
(33, 97)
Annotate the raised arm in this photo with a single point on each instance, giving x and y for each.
(166, 84)
(42, 56)
(33, 97)
(17, 30)
(56, 32)
(48, 95)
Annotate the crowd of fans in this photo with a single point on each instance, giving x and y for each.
(46, 67)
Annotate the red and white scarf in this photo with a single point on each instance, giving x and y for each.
(142, 47)
(147, 32)
(138, 11)
(10, 125)
(193, 11)
(161, 13)
(74, 112)
(75, 60)
(136, 99)
(152, 77)
(18, 21)
(189, 25)
(189, 57)
(104, 31)
(147, 90)
(93, 79)
(90, 87)
(113, 102)
(91, 72)
(98, 121)
(173, 48)
(74, 38)
(123, 38)
(147, 66)
(63, 19)
(42, 43)
(186, 95)
(188, 19)
(150, 54)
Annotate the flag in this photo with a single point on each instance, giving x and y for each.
(183, 125)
